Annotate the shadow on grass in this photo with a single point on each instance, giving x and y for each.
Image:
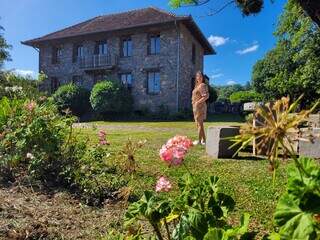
(212, 118)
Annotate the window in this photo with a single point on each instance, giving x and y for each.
(54, 84)
(56, 55)
(154, 82)
(78, 53)
(126, 47)
(193, 57)
(154, 44)
(126, 79)
(101, 48)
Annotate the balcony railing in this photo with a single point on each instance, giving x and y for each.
(98, 61)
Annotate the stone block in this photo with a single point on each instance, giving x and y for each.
(310, 149)
(314, 120)
(217, 146)
(251, 106)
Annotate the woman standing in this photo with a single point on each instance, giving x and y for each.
(200, 95)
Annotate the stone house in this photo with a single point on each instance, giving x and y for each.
(154, 53)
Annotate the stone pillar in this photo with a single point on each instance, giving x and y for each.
(217, 146)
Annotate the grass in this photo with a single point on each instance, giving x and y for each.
(247, 180)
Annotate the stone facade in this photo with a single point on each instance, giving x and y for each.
(175, 64)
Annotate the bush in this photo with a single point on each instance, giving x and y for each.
(245, 96)
(110, 96)
(73, 97)
(16, 86)
(36, 141)
(32, 138)
(213, 95)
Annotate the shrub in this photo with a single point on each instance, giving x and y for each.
(245, 96)
(73, 97)
(32, 137)
(35, 140)
(16, 86)
(110, 96)
(213, 95)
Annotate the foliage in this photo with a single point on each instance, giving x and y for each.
(35, 140)
(4, 49)
(224, 92)
(127, 155)
(297, 213)
(16, 86)
(199, 212)
(276, 129)
(252, 7)
(33, 136)
(213, 95)
(292, 68)
(110, 96)
(247, 7)
(72, 97)
(245, 96)
(90, 172)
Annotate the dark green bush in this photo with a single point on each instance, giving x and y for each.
(213, 95)
(72, 97)
(245, 96)
(110, 97)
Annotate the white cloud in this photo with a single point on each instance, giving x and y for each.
(231, 82)
(217, 40)
(253, 48)
(25, 73)
(218, 75)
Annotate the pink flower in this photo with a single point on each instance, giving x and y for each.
(163, 185)
(102, 133)
(31, 106)
(103, 138)
(166, 154)
(174, 151)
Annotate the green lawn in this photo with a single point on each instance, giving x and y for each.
(246, 179)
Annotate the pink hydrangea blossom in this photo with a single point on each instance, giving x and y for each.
(163, 185)
(31, 106)
(174, 151)
(103, 138)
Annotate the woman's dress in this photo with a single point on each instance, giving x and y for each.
(200, 109)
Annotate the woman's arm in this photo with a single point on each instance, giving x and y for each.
(204, 94)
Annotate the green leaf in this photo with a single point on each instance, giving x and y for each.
(182, 229)
(293, 222)
(198, 223)
(214, 234)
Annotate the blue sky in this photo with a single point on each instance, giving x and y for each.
(239, 41)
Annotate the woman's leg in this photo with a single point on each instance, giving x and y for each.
(202, 135)
(199, 131)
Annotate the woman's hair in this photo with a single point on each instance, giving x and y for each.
(202, 76)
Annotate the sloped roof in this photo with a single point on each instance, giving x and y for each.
(126, 20)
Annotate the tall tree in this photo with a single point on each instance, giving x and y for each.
(293, 66)
(4, 48)
(248, 7)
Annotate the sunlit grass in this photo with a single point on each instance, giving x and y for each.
(248, 181)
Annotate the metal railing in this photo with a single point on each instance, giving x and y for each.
(97, 61)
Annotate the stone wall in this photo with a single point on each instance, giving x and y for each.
(188, 69)
(138, 64)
